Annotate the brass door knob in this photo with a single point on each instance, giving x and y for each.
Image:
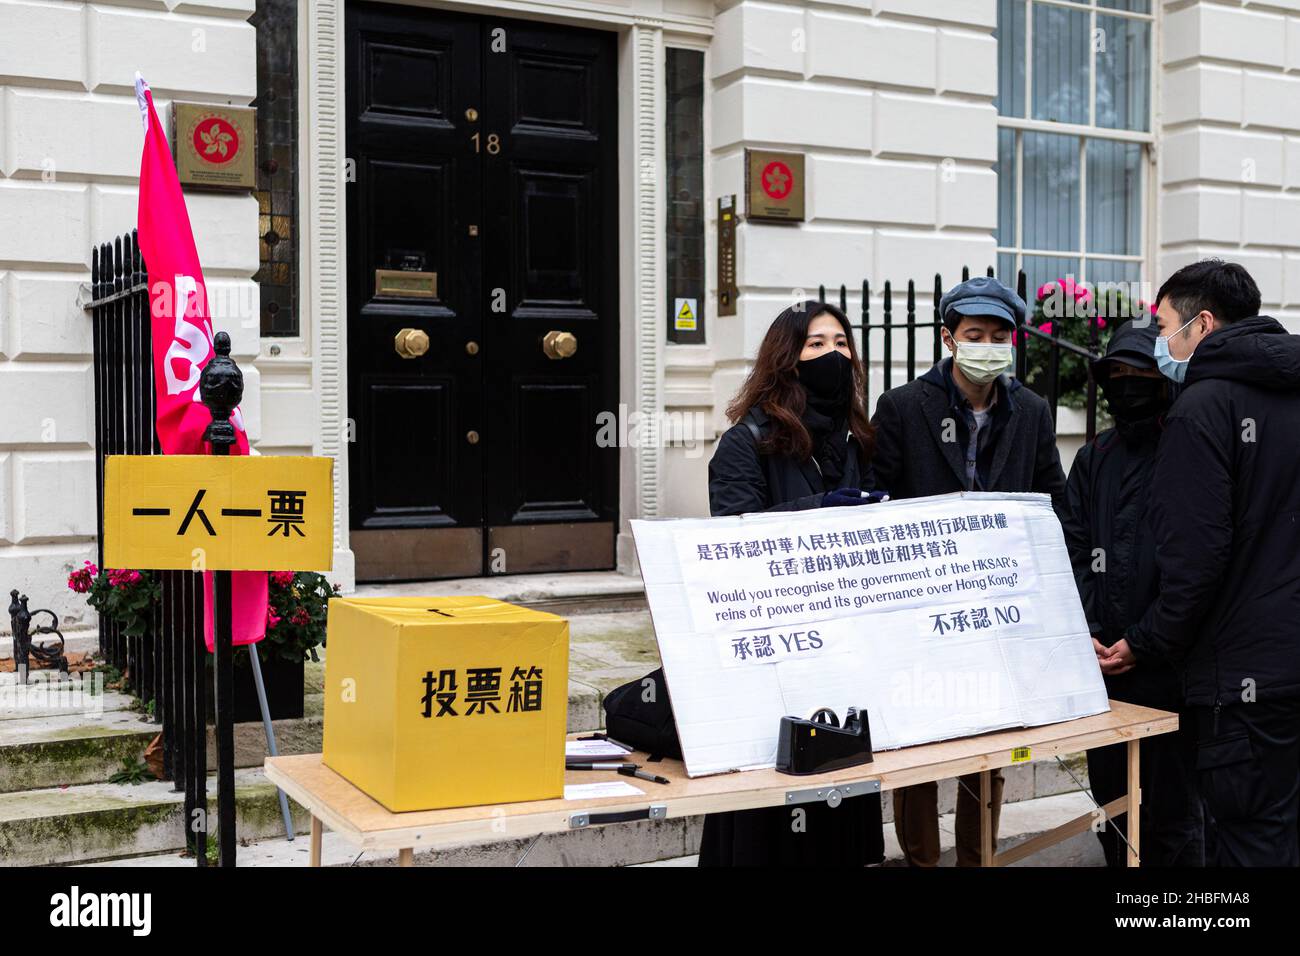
(472, 437)
(471, 347)
(411, 343)
(559, 345)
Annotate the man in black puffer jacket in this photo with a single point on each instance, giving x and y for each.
(1226, 517)
(1108, 531)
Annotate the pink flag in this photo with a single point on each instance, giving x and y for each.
(182, 342)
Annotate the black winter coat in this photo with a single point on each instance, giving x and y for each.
(1226, 517)
(912, 460)
(1109, 493)
(741, 479)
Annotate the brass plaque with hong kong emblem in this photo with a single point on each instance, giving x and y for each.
(215, 146)
(774, 186)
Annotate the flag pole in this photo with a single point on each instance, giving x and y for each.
(221, 386)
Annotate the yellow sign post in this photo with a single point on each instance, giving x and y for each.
(219, 513)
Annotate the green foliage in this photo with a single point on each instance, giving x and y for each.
(299, 604)
(1067, 311)
(126, 597)
(134, 772)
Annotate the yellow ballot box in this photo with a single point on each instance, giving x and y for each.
(446, 702)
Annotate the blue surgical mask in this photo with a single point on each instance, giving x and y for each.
(1173, 369)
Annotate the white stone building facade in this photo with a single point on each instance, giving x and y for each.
(915, 165)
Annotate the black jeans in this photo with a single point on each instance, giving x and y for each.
(1248, 770)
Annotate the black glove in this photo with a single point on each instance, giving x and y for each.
(846, 496)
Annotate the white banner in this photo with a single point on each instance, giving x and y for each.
(941, 617)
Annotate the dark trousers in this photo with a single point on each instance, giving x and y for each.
(916, 820)
(1172, 824)
(807, 835)
(1248, 769)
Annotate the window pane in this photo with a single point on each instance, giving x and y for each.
(1007, 268)
(1105, 276)
(1123, 73)
(1060, 80)
(1006, 171)
(684, 142)
(1040, 269)
(1108, 270)
(1114, 197)
(277, 165)
(1051, 191)
(1135, 6)
(1011, 57)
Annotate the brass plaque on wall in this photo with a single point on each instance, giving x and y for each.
(215, 146)
(727, 291)
(401, 284)
(774, 186)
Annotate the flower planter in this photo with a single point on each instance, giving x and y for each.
(284, 689)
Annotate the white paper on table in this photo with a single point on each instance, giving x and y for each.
(593, 748)
(608, 788)
(915, 661)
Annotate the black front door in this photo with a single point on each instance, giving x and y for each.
(482, 293)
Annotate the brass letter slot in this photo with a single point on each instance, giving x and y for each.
(399, 284)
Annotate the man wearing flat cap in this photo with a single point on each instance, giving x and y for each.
(965, 425)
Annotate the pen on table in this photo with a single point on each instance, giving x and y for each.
(620, 767)
(632, 770)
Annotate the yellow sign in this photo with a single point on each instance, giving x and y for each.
(1021, 754)
(437, 702)
(215, 513)
(684, 314)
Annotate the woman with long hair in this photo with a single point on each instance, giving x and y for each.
(800, 438)
(801, 427)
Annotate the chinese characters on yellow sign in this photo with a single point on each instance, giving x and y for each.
(201, 512)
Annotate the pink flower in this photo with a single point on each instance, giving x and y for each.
(1101, 323)
(282, 578)
(1076, 291)
(83, 578)
(301, 617)
(1046, 327)
(122, 578)
(272, 619)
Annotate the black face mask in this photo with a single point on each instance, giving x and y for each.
(828, 379)
(1134, 397)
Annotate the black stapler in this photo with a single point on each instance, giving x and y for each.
(819, 743)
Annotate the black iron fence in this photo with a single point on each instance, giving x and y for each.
(1036, 350)
(166, 664)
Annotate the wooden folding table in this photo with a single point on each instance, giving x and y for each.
(362, 821)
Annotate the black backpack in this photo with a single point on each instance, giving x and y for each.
(645, 725)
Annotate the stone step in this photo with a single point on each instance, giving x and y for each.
(578, 592)
(102, 821)
(85, 641)
(61, 750)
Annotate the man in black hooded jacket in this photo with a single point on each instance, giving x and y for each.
(1226, 516)
(1108, 532)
